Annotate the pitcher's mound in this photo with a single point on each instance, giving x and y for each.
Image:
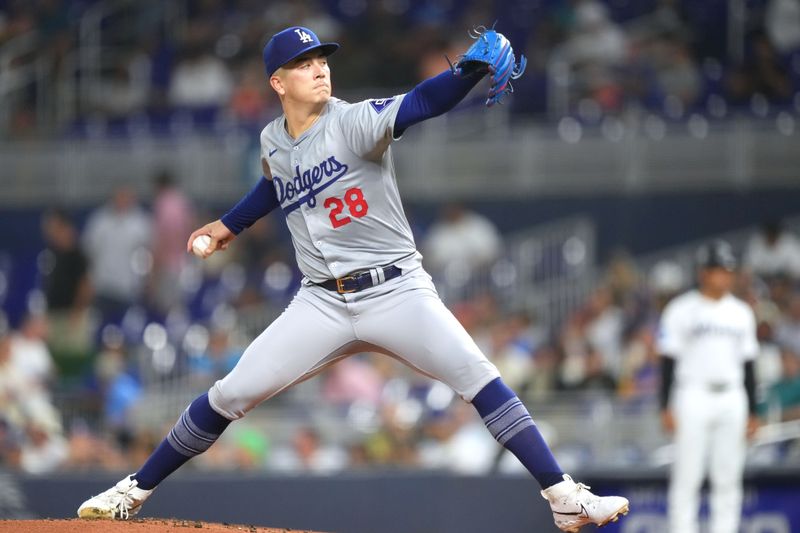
(150, 525)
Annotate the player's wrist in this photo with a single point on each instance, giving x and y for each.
(228, 224)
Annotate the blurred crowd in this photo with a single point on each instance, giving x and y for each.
(198, 62)
(122, 317)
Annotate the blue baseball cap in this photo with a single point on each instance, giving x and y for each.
(291, 43)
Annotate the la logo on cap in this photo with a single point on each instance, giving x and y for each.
(304, 37)
(290, 44)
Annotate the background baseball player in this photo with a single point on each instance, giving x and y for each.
(708, 341)
(328, 165)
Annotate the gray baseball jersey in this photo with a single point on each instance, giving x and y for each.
(336, 186)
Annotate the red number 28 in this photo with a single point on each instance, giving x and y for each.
(356, 205)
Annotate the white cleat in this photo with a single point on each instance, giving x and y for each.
(120, 502)
(574, 506)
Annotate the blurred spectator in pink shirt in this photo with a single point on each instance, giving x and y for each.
(173, 220)
(353, 379)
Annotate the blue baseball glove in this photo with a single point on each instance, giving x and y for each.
(491, 52)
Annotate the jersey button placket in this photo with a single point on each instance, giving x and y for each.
(295, 164)
(307, 211)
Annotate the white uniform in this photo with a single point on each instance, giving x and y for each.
(710, 340)
(336, 186)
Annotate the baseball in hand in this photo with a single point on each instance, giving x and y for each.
(200, 244)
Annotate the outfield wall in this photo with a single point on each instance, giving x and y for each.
(399, 502)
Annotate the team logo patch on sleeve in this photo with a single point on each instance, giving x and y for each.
(380, 105)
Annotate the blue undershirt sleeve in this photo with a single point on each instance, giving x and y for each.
(432, 98)
(261, 199)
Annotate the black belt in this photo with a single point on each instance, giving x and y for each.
(358, 281)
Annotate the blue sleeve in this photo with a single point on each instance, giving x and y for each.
(261, 199)
(432, 98)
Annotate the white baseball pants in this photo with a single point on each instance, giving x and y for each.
(403, 317)
(710, 435)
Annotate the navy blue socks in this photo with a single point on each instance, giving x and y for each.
(196, 430)
(511, 425)
(502, 412)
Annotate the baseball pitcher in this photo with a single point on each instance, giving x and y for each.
(328, 165)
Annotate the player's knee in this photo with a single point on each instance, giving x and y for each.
(481, 374)
(231, 404)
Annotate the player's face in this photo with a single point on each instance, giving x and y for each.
(717, 280)
(305, 80)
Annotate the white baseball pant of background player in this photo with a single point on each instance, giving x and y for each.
(709, 432)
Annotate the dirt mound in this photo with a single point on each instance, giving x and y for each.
(150, 525)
